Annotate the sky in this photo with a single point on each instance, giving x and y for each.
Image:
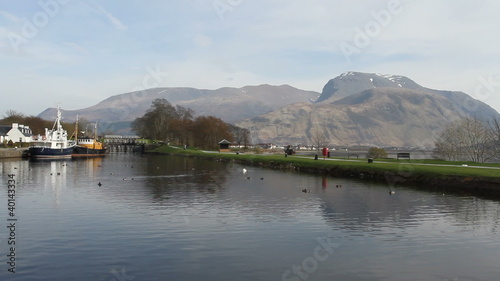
(78, 53)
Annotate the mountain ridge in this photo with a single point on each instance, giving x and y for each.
(228, 103)
(369, 109)
(353, 108)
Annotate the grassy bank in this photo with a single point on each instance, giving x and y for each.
(424, 167)
(427, 173)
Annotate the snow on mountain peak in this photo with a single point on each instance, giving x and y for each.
(398, 79)
(349, 73)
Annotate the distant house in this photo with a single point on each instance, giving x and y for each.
(224, 146)
(15, 133)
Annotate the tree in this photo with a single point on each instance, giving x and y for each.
(13, 114)
(377, 153)
(468, 139)
(495, 127)
(168, 123)
(209, 130)
(241, 135)
(181, 131)
(155, 124)
(36, 124)
(319, 139)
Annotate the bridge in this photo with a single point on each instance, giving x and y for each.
(119, 143)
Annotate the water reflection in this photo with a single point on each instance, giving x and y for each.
(367, 207)
(196, 219)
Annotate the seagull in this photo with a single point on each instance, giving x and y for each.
(392, 192)
(244, 171)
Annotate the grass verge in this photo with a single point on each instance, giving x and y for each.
(405, 168)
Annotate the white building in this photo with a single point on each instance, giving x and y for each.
(15, 133)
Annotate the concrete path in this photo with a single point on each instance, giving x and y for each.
(383, 162)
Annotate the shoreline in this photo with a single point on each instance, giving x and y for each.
(421, 176)
(7, 153)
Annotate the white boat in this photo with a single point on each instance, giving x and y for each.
(54, 143)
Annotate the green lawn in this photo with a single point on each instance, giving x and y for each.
(413, 167)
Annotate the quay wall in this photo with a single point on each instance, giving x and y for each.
(12, 152)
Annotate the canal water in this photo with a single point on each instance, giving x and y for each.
(176, 218)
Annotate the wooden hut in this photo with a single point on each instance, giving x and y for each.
(224, 146)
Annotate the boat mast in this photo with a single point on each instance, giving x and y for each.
(95, 133)
(58, 120)
(76, 130)
(57, 124)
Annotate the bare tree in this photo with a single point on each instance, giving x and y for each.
(495, 127)
(209, 130)
(468, 139)
(319, 139)
(13, 114)
(241, 135)
(155, 123)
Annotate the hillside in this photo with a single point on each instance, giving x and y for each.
(353, 109)
(368, 109)
(230, 104)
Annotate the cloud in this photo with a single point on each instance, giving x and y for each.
(202, 40)
(445, 45)
(114, 21)
(12, 18)
(77, 47)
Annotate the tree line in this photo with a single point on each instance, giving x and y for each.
(469, 139)
(36, 124)
(176, 124)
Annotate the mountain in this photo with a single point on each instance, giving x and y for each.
(353, 108)
(350, 83)
(368, 109)
(229, 104)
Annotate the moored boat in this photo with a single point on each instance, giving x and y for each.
(54, 143)
(88, 146)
